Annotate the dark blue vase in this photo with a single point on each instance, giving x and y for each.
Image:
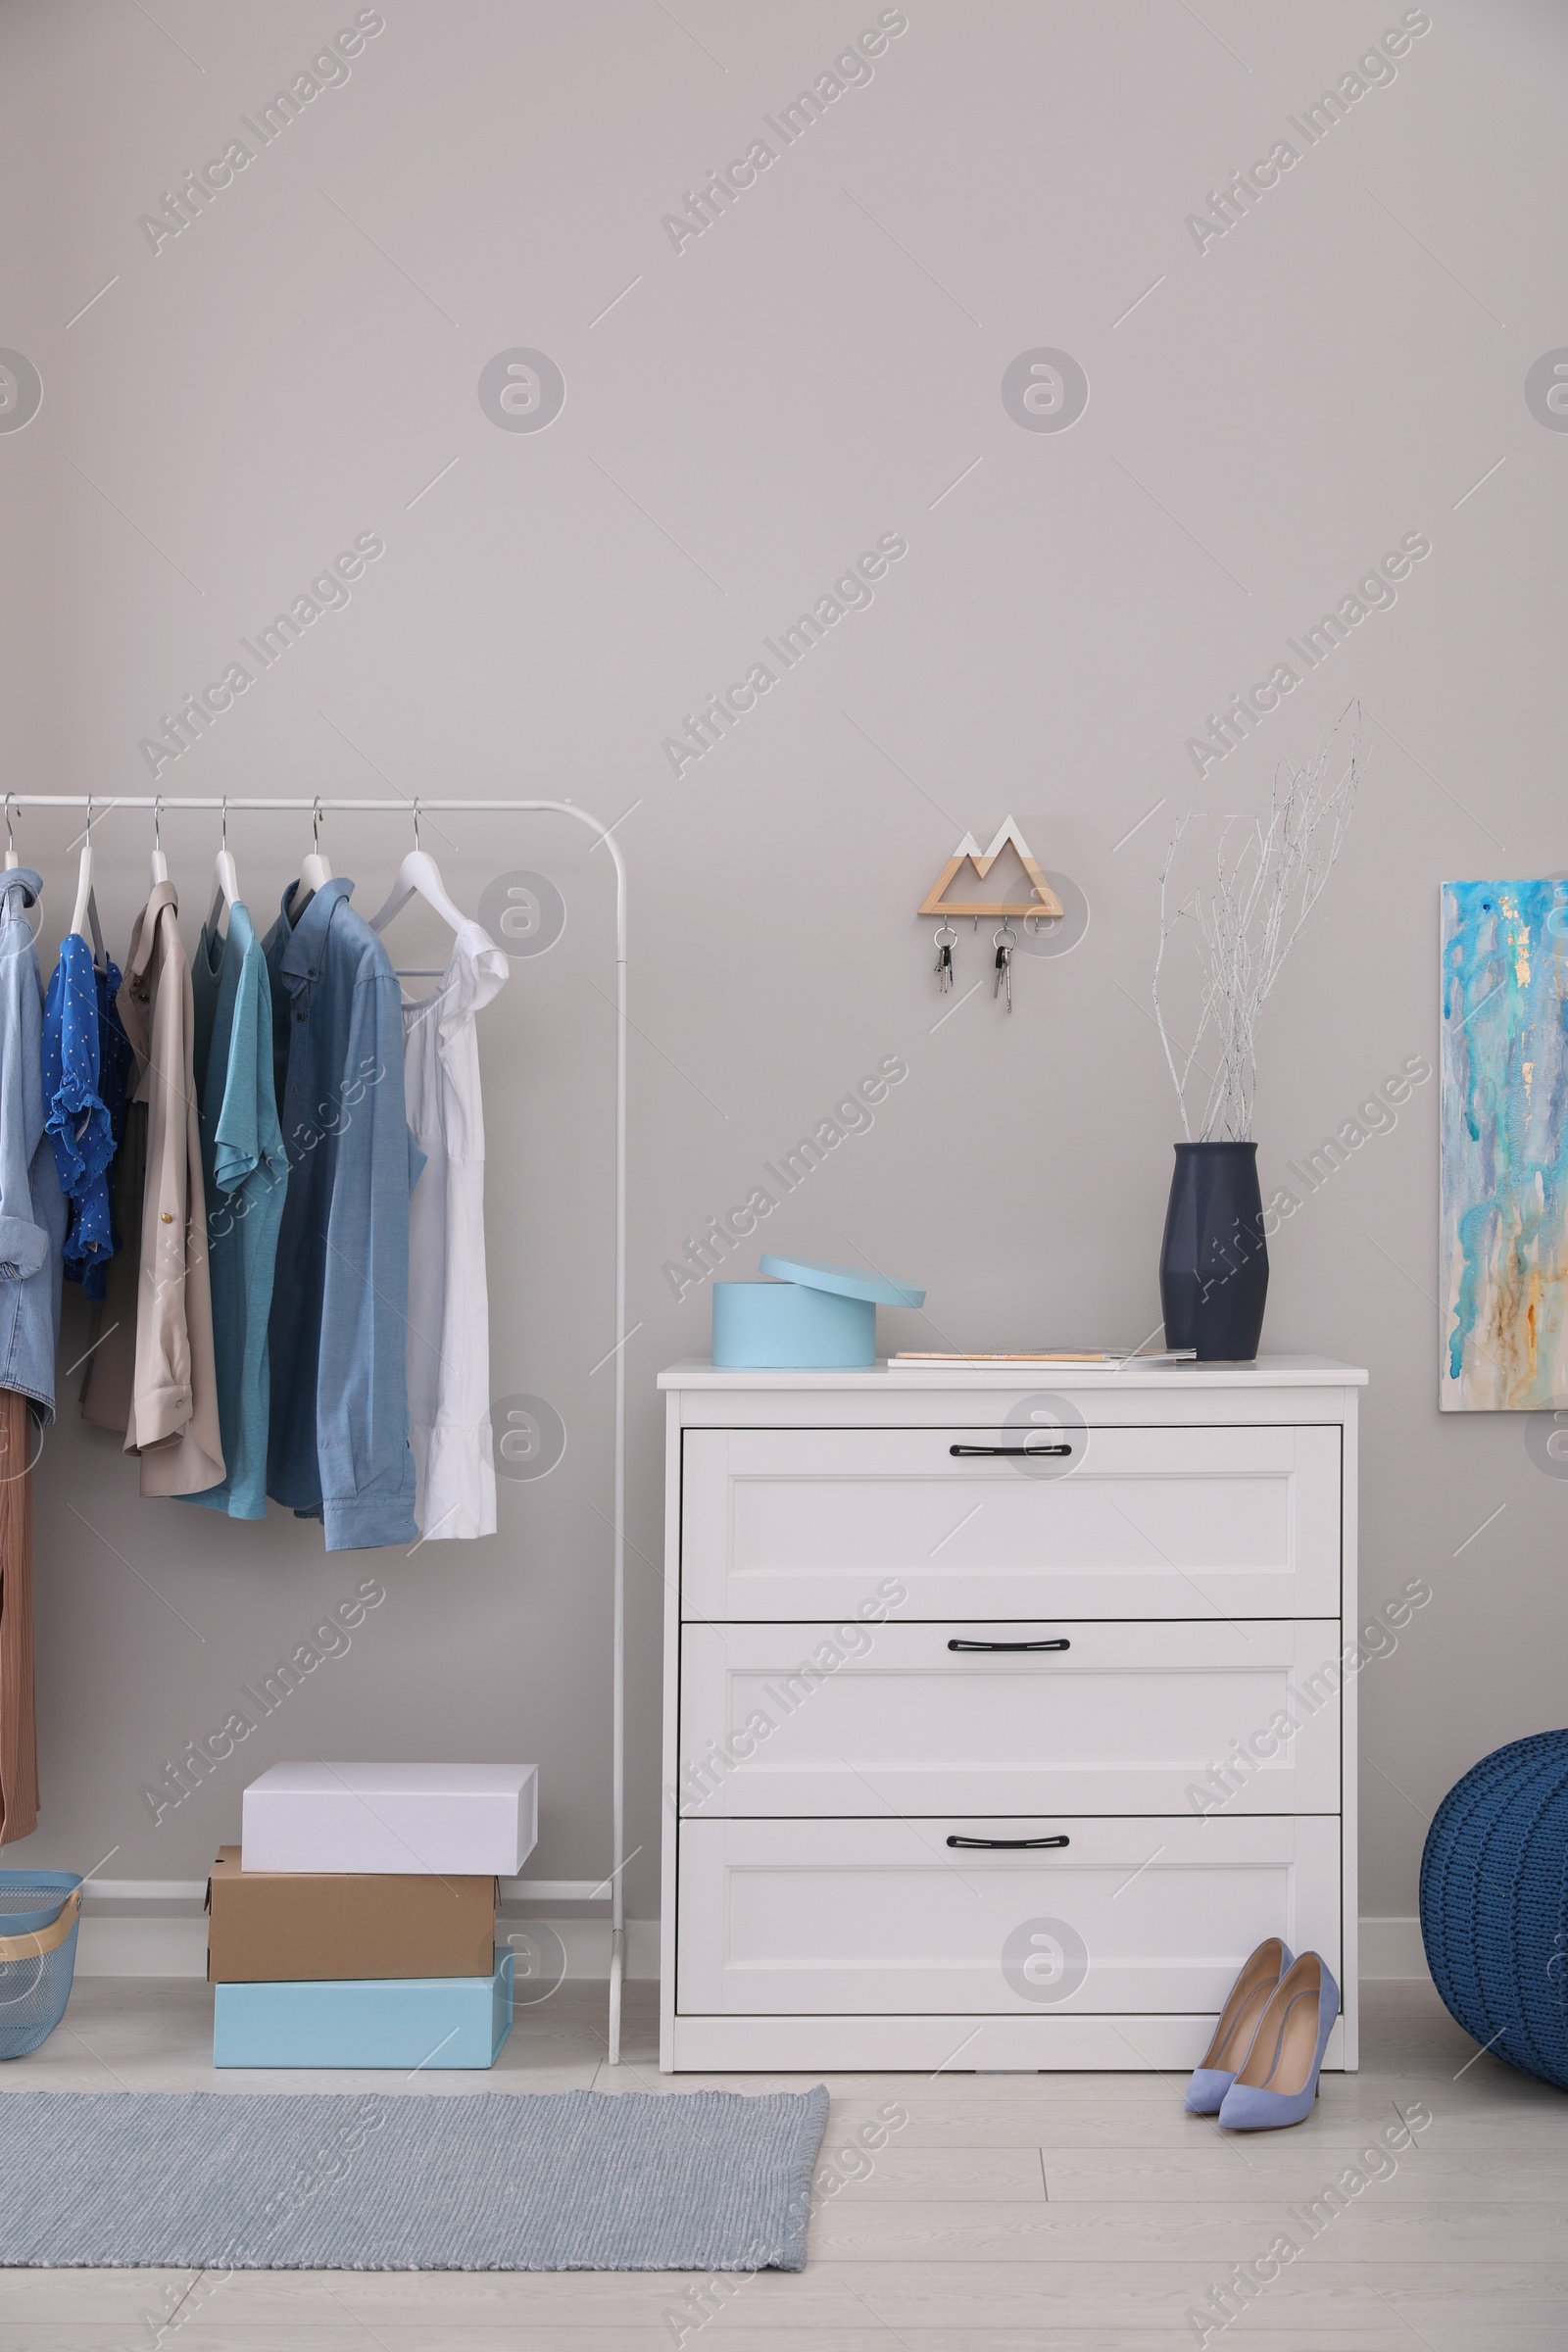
(1213, 1262)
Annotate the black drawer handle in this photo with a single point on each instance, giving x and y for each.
(1009, 1845)
(1010, 1452)
(1009, 1644)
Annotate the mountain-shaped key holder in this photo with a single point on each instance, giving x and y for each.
(1044, 903)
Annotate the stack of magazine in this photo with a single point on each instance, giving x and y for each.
(1114, 1357)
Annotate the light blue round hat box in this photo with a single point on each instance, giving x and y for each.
(811, 1318)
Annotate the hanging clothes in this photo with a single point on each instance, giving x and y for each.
(116, 1063)
(111, 1283)
(449, 1313)
(171, 1417)
(338, 1440)
(245, 1172)
(109, 1379)
(32, 1208)
(32, 1231)
(79, 1124)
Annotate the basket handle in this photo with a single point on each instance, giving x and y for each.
(33, 1946)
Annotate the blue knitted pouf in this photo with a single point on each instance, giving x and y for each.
(1495, 1904)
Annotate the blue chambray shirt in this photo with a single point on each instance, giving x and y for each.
(81, 1125)
(338, 1439)
(32, 1208)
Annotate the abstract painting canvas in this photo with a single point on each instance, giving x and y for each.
(1504, 1206)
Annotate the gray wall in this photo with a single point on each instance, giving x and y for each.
(815, 370)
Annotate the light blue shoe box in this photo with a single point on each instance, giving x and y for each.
(415, 2023)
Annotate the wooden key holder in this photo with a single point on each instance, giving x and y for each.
(1044, 900)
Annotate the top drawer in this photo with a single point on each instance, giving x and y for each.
(807, 1523)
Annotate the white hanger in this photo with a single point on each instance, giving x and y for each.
(313, 872)
(86, 909)
(225, 881)
(418, 874)
(13, 861)
(160, 863)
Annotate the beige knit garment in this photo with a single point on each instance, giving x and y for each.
(170, 1416)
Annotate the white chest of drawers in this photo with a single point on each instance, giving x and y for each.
(984, 1757)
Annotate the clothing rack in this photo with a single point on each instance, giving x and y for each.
(215, 804)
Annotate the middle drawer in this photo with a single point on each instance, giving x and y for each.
(1116, 1717)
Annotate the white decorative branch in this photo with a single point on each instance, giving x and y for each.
(1266, 885)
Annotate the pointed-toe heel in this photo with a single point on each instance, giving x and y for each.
(1244, 2005)
(1278, 2081)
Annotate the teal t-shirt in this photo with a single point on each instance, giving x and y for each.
(245, 1175)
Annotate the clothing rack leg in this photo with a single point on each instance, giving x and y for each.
(617, 1909)
(618, 1968)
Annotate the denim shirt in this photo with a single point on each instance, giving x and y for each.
(116, 1072)
(81, 1126)
(32, 1208)
(338, 1440)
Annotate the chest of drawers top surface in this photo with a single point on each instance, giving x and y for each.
(893, 1395)
(1159, 1373)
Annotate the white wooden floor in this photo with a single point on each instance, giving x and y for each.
(1011, 2212)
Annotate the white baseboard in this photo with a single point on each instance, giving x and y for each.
(141, 1947)
(1392, 1948)
(586, 1943)
(114, 1946)
(108, 1946)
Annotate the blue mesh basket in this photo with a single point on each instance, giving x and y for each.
(38, 1918)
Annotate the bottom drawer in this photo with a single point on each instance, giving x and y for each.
(1143, 1914)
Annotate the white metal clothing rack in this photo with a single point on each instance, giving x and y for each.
(102, 806)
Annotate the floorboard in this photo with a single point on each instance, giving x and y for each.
(1008, 2213)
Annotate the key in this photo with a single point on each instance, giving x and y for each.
(1004, 976)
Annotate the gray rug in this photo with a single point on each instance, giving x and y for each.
(577, 2181)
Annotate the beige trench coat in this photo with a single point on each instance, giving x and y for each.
(169, 1414)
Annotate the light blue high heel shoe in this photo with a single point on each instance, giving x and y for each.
(1244, 2004)
(1279, 2079)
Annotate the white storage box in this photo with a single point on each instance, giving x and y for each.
(462, 1819)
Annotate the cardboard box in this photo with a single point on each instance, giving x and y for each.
(395, 1820)
(265, 1926)
(419, 2024)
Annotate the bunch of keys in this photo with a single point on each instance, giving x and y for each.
(945, 957)
(1006, 939)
